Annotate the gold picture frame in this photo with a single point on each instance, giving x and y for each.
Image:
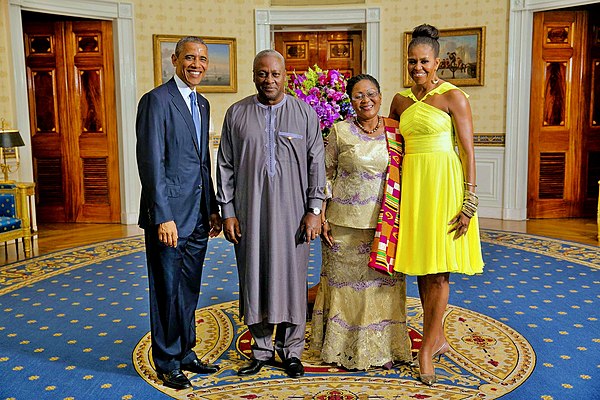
(462, 54)
(221, 76)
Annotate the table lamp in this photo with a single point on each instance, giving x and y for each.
(10, 139)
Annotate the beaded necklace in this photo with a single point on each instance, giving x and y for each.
(368, 132)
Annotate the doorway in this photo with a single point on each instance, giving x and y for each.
(72, 113)
(340, 50)
(564, 136)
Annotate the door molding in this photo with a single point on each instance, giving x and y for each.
(121, 14)
(518, 86)
(265, 20)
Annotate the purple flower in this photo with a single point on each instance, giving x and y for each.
(324, 91)
(337, 96)
(311, 99)
(333, 76)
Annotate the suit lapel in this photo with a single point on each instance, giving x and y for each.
(205, 125)
(183, 109)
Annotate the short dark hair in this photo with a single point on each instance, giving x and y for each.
(426, 34)
(357, 78)
(187, 39)
(267, 53)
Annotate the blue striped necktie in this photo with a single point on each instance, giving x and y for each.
(196, 116)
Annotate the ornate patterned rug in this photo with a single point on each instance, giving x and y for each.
(74, 325)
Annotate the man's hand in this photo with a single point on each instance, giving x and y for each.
(167, 233)
(311, 224)
(215, 224)
(231, 230)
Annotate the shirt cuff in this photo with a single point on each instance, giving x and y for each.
(227, 210)
(315, 203)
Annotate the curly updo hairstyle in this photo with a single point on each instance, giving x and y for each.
(426, 34)
(357, 78)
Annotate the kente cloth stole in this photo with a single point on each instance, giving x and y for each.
(383, 252)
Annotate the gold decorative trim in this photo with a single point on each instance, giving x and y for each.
(489, 139)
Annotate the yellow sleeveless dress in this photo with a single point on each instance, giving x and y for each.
(432, 194)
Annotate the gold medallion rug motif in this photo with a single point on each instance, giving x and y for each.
(487, 359)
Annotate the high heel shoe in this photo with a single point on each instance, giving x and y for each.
(443, 348)
(427, 379)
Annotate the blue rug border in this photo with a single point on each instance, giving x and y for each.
(24, 272)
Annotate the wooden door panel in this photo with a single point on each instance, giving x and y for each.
(341, 51)
(74, 137)
(90, 100)
(45, 105)
(96, 133)
(299, 50)
(329, 50)
(591, 117)
(44, 50)
(556, 86)
(554, 139)
(595, 93)
(554, 183)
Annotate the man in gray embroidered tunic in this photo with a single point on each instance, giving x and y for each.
(270, 185)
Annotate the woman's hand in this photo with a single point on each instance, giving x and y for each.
(460, 225)
(215, 224)
(326, 234)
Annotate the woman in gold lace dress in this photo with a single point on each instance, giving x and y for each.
(359, 316)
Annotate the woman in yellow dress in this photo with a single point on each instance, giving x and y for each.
(439, 231)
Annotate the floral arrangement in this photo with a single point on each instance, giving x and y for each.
(325, 92)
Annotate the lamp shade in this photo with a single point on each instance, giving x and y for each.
(11, 138)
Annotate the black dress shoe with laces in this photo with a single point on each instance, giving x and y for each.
(293, 367)
(254, 367)
(174, 379)
(200, 367)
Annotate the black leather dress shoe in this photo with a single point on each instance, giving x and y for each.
(200, 367)
(174, 379)
(254, 367)
(293, 367)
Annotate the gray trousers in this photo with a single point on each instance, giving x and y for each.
(289, 340)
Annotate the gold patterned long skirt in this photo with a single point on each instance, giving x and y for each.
(359, 316)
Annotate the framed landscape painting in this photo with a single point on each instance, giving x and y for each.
(221, 76)
(462, 56)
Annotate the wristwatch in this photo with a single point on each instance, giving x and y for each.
(314, 210)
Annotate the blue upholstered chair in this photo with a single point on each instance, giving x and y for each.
(14, 216)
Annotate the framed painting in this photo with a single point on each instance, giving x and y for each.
(462, 56)
(221, 76)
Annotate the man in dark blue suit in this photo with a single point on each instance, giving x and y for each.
(178, 210)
